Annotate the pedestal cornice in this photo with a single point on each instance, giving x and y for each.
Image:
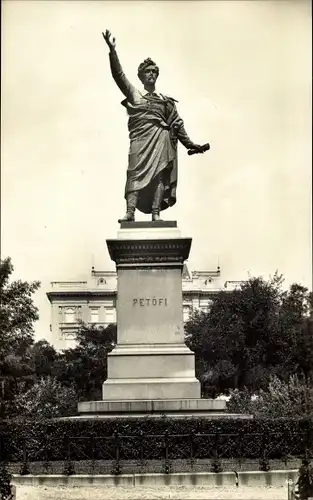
(154, 251)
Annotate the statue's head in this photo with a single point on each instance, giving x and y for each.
(148, 72)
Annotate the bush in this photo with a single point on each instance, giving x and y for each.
(48, 398)
(292, 399)
(305, 481)
(241, 402)
(5, 483)
(225, 438)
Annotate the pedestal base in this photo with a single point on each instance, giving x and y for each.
(145, 407)
(143, 372)
(150, 388)
(174, 408)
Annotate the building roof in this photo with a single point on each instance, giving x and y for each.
(104, 284)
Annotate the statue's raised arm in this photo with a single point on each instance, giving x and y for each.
(116, 69)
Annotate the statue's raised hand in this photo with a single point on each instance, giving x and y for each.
(107, 37)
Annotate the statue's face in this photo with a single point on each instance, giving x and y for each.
(149, 75)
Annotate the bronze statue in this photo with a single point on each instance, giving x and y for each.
(154, 129)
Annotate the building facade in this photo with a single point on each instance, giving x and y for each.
(94, 301)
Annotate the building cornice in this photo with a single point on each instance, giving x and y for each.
(109, 293)
(201, 293)
(80, 294)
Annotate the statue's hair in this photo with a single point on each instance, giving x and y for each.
(144, 65)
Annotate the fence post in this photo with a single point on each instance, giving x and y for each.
(46, 462)
(290, 486)
(216, 463)
(141, 433)
(191, 448)
(264, 461)
(116, 469)
(240, 441)
(292, 495)
(68, 467)
(167, 467)
(24, 468)
(93, 452)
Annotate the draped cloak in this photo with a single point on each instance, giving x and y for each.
(154, 127)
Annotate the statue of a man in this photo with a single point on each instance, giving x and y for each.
(154, 128)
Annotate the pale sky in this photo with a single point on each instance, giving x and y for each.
(241, 71)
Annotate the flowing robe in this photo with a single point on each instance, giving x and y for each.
(154, 127)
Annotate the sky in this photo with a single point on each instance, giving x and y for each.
(241, 72)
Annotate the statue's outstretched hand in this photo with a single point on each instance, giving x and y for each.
(107, 37)
(196, 149)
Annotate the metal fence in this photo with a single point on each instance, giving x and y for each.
(156, 453)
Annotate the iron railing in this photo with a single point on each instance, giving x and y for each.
(161, 453)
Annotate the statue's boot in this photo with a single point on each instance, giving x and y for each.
(131, 202)
(157, 200)
(156, 215)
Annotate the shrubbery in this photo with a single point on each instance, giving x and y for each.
(5, 482)
(293, 399)
(223, 438)
(48, 398)
(305, 481)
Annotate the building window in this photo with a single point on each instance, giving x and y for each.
(69, 316)
(94, 315)
(186, 313)
(79, 313)
(110, 315)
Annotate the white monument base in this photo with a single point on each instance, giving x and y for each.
(155, 408)
(150, 371)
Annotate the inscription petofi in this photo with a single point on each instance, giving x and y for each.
(152, 301)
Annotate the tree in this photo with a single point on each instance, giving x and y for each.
(44, 359)
(17, 311)
(17, 316)
(295, 335)
(251, 334)
(85, 366)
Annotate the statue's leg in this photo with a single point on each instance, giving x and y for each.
(158, 197)
(131, 203)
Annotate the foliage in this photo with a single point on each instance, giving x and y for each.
(17, 315)
(35, 379)
(241, 402)
(305, 481)
(5, 482)
(85, 366)
(258, 339)
(44, 359)
(251, 334)
(293, 399)
(47, 398)
(214, 439)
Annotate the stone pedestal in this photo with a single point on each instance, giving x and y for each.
(151, 370)
(151, 360)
